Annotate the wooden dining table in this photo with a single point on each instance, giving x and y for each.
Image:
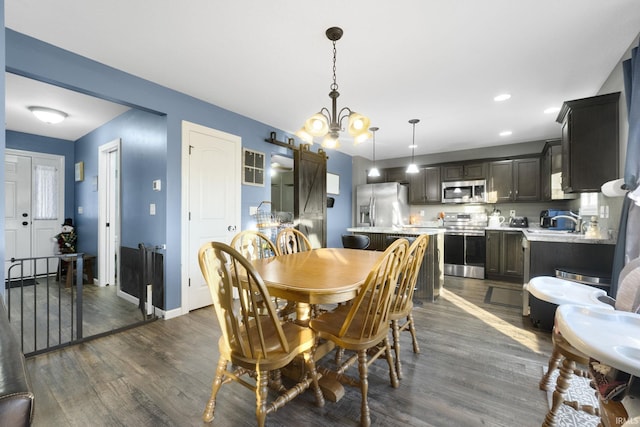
(319, 276)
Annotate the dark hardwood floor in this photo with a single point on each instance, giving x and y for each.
(480, 365)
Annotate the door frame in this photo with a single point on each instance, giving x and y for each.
(184, 208)
(103, 205)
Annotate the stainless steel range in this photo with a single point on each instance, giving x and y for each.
(464, 244)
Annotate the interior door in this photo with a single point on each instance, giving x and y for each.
(212, 165)
(109, 213)
(310, 195)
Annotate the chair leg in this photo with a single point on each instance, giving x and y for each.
(562, 384)
(554, 361)
(339, 355)
(365, 416)
(412, 329)
(392, 369)
(395, 329)
(208, 415)
(262, 383)
(311, 368)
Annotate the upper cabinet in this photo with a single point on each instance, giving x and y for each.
(590, 143)
(424, 187)
(464, 171)
(514, 180)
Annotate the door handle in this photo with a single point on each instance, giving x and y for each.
(231, 228)
(25, 223)
(24, 215)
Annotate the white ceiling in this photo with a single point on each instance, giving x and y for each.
(439, 61)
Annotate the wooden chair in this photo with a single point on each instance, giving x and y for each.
(627, 299)
(402, 301)
(253, 245)
(355, 241)
(254, 340)
(363, 326)
(290, 241)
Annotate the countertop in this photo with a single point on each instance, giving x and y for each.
(532, 233)
(539, 234)
(398, 230)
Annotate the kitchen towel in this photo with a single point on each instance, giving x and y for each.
(613, 188)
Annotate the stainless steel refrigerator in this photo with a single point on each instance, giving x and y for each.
(382, 205)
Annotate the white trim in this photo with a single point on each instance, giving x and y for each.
(103, 150)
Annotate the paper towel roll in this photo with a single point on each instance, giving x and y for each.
(614, 188)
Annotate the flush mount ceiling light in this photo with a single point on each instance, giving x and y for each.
(413, 168)
(374, 172)
(328, 123)
(505, 133)
(502, 97)
(48, 115)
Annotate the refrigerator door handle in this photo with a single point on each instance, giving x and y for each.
(372, 211)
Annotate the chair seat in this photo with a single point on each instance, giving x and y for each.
(328, 326)
(299, 338)
(560, 291)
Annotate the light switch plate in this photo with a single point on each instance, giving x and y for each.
(152, 209)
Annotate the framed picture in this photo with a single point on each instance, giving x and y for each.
(252, 167)
(333, 183)
(80, 171)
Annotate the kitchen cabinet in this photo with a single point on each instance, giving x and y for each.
(397, 175)
(504, 255)
(590, 145)
(424, 186)
(464, 171)
(514, 180)
(551, 172)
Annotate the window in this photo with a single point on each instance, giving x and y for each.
(45, 192)
(253, 168)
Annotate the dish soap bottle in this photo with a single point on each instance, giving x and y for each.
(593, 230)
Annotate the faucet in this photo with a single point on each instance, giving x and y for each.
(577, 220)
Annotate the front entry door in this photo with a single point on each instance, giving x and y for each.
(34, 207)
(212, 164)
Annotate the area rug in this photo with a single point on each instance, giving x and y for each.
(503, 296)
(580, 391)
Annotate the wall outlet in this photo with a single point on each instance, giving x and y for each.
(512, 213)
(421, 213)
(253, 210)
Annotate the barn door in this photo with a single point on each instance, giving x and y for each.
(310, 195)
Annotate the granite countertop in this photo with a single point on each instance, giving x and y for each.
(538, 234)
(409, 230)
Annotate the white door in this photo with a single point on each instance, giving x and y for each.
(34, 206)
(211, 201)
(108, 212)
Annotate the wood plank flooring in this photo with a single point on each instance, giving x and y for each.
(480, 365)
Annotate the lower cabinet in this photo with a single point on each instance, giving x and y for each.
(431, 276)
(505, 255)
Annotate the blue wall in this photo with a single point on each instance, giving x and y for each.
(143, 151)
(60, 147)
(32, 58)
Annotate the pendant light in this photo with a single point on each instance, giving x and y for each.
(374, 172)
(413, 168)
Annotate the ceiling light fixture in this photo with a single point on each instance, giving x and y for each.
(48, 115)
(413, 168)
(502, 97)
(328, 124)
(374, 172)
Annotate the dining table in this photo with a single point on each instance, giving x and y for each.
(318, 276)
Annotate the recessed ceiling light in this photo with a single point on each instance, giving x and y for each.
(413, 146)
(502, 97)
(505, 133)
(48, 115)
(552, 110)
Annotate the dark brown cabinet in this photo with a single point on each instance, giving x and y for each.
(424, 187)
(514, 180)
(464, 171)
(590, 143)
(397, 175)
(504, 255)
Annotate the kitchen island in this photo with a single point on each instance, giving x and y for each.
(431, 277)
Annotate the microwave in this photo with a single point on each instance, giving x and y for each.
(464, 191)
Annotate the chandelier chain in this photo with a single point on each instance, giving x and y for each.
(334, 85)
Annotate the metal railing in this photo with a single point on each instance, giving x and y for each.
(53, 313)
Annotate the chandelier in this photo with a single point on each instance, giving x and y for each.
(328, 123)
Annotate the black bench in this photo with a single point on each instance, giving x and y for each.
(16, 398)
